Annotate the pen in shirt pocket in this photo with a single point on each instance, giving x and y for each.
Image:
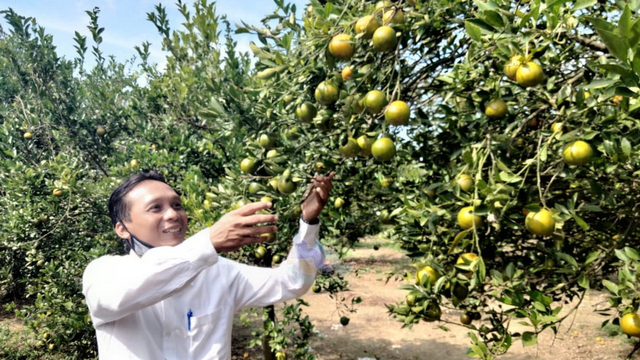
(189, 315)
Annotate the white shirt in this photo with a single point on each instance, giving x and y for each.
(140, 305)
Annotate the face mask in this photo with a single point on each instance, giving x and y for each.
(138, 246)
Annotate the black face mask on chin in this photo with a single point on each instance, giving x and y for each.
(138, 246)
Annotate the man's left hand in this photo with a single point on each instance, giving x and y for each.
(315, 202)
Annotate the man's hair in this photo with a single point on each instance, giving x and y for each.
(118, 206)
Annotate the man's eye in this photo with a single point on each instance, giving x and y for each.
(155, 207)
(177, 206)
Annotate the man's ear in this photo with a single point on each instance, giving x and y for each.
(121, 231)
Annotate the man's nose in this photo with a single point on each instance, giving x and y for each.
(171, 214)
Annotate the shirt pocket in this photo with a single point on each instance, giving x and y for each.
(201, 341)
(207, 335)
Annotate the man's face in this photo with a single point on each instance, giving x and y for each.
(156, 213)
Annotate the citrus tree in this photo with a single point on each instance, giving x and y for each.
(509, 132)
(496, 141)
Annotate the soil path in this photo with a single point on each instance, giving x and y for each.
(372, 334)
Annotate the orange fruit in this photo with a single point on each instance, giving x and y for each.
(260, 252)
(347, 73)
(427, 272)
(249, 165)
(341, 46)
(366, 26)
(512, 66)
(266, 142)
(556, 127)
(467, 219)
(254, 187)
(383, 149)
(540, 223)
(364, 143)
(375, 101)
(384, 39)
(350, 149)
(577, 153)
(465, 182)
(466, 259)
(27, 135)
(397, 113)
(496, 109)
(630, 324)
(327, 93)
(338, 203)
(465, 318)
(529, 74)
(393, 16)
(306, 112)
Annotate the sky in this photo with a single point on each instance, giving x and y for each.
(125, 22)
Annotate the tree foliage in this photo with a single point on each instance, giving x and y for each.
(213, 107)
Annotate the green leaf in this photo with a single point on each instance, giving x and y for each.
(613, 288)
(632, 253)
(473, 30)
(624, 91)
(552, 3)
(600, 23)
(617, 46)
(624, 24)
(564, 93)
(482, 24)
(583, 281)
(592, 256)
(506, 177)
(568, 258)
(592, 208)
(625, 145)
(597, 84)
(494, 19)
(634, 36)
(614, 68)
(583, 4)
(529, 338)
(621, 255)
(583, 224)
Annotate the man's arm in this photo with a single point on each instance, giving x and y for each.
(115, 286)
(257, 286)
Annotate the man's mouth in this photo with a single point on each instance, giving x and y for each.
(172, 230)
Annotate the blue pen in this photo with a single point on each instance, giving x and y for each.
(189, 315)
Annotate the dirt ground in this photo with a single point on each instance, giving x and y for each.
(372, 334)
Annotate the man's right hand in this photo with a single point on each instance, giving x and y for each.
(238, 227)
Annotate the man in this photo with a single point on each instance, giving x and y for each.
(172, 298)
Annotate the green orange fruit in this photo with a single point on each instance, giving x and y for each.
(383, 149)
